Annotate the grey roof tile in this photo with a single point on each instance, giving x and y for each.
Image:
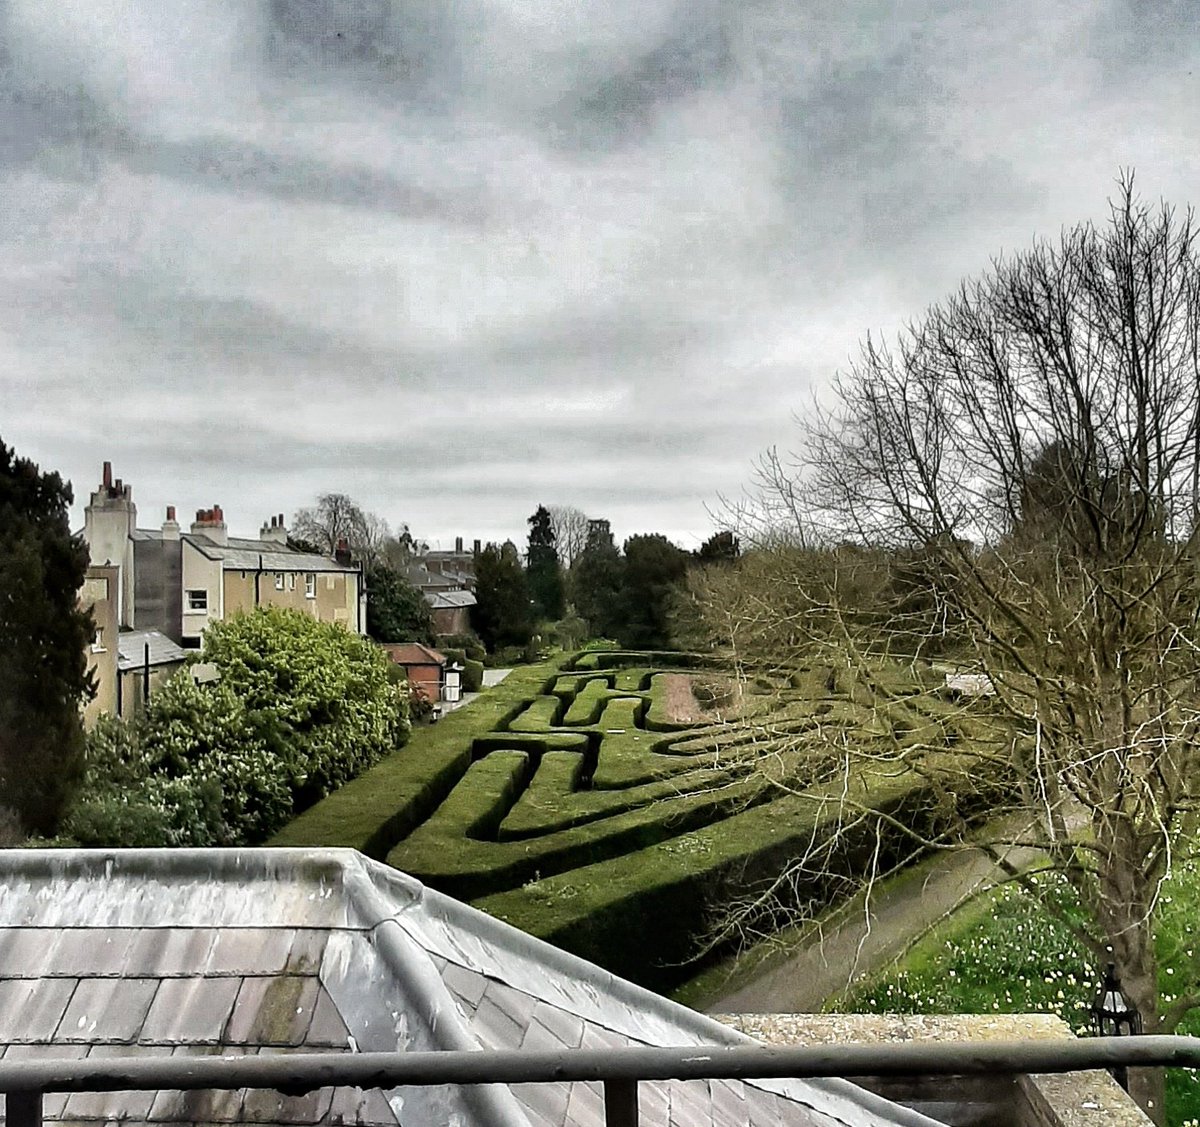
(190, 1011)
(729, 1103)
(87, 952)
(353, 1105)
(52, 1102)
(263, 1105)
(469, 985)
(328, 1027)
(169, 951)
(199, 1106)
(131, 649)
(31, 1008)
(538, 1038)
(597, 1037)
(113, 1105)
(549, 1101)
(585, 1105)
(691, 1103)
(275, 1010)
(654, 1104)
(107, 1009)
(494, 1028)
(25, 951)
(516, 1003)
(266, 950)
(562, 1025)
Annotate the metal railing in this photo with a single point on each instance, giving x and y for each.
(25, 1082)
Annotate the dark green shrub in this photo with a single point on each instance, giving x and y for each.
(472, 677)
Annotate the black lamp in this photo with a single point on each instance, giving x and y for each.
(1113, 1015)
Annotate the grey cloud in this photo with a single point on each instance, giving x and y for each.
(697, 53)
(388, 49)
(229, 166)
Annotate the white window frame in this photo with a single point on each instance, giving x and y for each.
(310, 585)
(197, 605)
(279, 581)
(291, 580)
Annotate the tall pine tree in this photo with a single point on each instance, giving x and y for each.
(542, 567)
(501, 615)
(596, 581)
(43, 633)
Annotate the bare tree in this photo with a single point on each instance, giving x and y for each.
(1032, 448)
(335, 518)
(570, 532)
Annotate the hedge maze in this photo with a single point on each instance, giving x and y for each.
(566, 800)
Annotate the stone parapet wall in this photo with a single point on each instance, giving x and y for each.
(1081, 1099)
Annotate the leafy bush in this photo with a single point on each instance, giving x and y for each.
(301, 707)
(472, 676)
(1009, 954)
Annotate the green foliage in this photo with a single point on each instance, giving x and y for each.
(396, 610)
(542, 566)
(301, 707)
(572, 805)
(375, 811)
(653, 568)
(43, 635)
(720, 547)
(596, 579)
(570, 631)
(1011, 954)
(502, 615)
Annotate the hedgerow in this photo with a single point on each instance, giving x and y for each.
(567, 801)
(299, 708)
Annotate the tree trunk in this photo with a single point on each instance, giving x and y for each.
(1147, 1087)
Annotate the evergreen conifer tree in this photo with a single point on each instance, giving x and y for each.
(43, 634)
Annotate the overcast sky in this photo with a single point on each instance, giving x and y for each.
(459, 257)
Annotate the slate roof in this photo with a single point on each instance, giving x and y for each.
(131, 649)
(249, 555)
(242, 554)
(443, 600)
(413, 653)
(145, 952)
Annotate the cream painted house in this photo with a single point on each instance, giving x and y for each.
(178, 582)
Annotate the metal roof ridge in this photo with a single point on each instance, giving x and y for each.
(412, 968)
(845, 1096)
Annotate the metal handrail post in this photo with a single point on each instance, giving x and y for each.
(23, 1109)
(620, 1103)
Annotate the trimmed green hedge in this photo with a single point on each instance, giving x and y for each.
(643, 915)
(565, 801)
(378, 808)
(440, 853)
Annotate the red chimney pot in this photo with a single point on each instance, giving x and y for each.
(107, 475)
(170, 512)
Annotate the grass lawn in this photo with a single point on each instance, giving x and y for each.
(1005, 953)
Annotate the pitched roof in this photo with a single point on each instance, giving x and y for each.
(268, 555)
(188, 952)
(444, 600)
(413, 653)
(131, 649)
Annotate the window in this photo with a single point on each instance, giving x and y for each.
(279, 581)
(98, 641)
(197, 601)
(310, 586)
(291, 580)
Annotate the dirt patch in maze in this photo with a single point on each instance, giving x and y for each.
(683, 706)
